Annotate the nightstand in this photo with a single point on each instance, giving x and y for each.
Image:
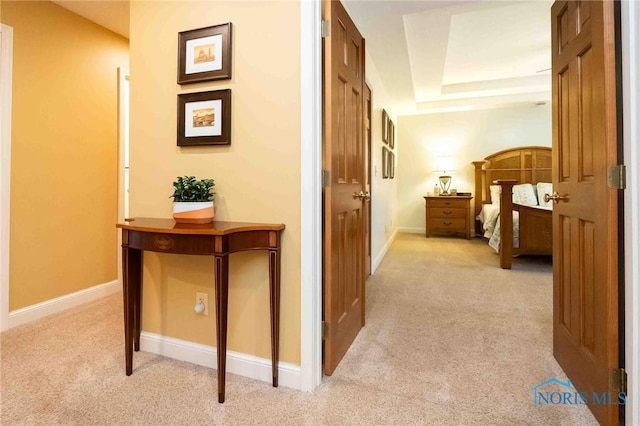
(448, 215)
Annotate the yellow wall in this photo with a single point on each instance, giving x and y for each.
(257, 176)
(63, 153)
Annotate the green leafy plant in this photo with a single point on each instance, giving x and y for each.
(188, 189)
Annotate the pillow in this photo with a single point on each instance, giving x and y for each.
(524, 194)
(495, 193)
(544, 188)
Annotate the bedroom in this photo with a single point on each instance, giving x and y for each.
(461, 91)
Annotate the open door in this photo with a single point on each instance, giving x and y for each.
(367, 185)
(585, 217)
(344, 197)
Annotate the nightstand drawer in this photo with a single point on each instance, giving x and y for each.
(447, 212)
(444, 203)
(438, 224)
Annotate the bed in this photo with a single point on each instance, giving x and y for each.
(529, 225)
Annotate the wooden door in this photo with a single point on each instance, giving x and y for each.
(367, 185)
(585, 229)
(343, 158)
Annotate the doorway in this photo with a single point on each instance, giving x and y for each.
(6, 69)
(123, 157)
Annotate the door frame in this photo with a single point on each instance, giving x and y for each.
(630, 17)
(311, 194)
(6, 76)
(123, 112)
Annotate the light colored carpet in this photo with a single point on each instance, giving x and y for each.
(450, 339)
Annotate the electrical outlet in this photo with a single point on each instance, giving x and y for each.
(204, 298)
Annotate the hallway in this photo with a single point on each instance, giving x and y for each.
(450, 339)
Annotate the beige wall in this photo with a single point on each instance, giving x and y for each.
(257, 176)
(64, 152)
(384, 198)
(467, 136)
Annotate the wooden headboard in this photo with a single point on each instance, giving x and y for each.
(526, 164)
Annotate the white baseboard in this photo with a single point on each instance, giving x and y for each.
(52, 306)
(383, 252)
(413, 230)
(237, 363)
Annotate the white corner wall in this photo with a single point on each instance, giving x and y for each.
(467, 136)
(384, 192)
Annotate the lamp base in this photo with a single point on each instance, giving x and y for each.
(445, 184)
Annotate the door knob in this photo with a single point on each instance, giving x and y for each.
(361, 195)
(367, 196)
(555, 197)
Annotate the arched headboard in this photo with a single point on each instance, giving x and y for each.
(528, 164)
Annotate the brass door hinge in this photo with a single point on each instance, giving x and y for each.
(325, 28)
(619, 380)
(617, 176)
(326, 178)
(325, 329)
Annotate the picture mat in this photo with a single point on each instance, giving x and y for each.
(215, 130)
(191, 67)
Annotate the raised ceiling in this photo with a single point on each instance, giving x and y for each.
(436, 56)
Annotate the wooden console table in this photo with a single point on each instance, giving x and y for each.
(217, 239)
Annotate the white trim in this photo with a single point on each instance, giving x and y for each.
(412, 230)
(383, 252)
(311, 195)
(123, 111)
(631, 134)
(206, 356)
(52, 306)
(6, 71)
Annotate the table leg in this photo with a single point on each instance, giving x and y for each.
(137, 295)
(222, 299)
(274, 291)
(131, 283)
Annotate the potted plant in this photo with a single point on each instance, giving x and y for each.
(193, 200)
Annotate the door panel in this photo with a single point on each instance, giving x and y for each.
(585, 319)
(343, 157)
(367, 187)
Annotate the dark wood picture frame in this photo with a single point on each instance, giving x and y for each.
(385, 167)
(192, 69)
(220, 121)
(385, 126)
(391, 163)
(392, 135)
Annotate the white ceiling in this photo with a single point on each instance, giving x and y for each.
(113, 15)
(432, 56)
(436, 56)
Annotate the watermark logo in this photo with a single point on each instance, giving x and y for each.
(556, 392)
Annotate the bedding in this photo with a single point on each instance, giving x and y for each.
(490, 218)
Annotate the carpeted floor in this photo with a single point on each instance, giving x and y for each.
(450, 339)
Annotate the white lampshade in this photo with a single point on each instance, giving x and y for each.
(445, 164)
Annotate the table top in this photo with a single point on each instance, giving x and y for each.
(169, 226)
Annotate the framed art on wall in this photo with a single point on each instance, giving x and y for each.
(385, 167)
(392, 135)
(385, 126)
(204, 118)
(204, 54)
(391, 162)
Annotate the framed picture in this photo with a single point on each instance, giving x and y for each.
(204, 118)
(391, 162)
(204, 54)
(392, 135)
(385, 126)
(385, 167)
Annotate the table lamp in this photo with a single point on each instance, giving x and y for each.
(444, 166)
